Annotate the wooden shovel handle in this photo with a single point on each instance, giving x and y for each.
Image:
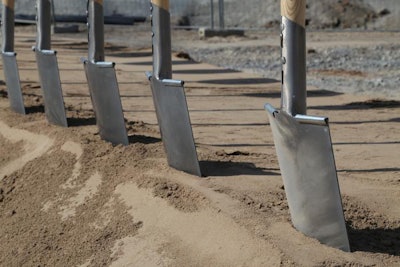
(294, 10)
(9, 3)
(100, 2)
(161, 3)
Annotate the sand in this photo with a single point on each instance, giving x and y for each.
(68, 198)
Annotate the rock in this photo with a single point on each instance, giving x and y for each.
(311, 51)
(384, 12)
(182, 21)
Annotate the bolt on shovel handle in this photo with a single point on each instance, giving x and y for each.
(43, 38)
(96, 30)
(161, 28)
(293, 42)
(8, 26)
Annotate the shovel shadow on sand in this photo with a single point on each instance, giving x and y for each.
(78, 117)
(143, 139)
(78, 122)
(229, 168)
(34, 109)
(369, 104)
(378, 240)
(314, 93)
(240, 81)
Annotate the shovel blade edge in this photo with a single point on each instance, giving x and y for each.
(175, 127)
(51, 86)
(307, 163)
(106, 101)
(11, 76)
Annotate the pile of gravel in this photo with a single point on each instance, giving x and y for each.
(370, 70)
(327, 14)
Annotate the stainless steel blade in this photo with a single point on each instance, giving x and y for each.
(174, 121)
(104, 91)
(51, 87)
(304, 148)
(11, 75)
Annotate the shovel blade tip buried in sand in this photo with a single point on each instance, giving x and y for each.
(11, 75)
(102, 81)
(174, 122)
(48, 66)
(51, 86)
(169, 97)
(303, 146)
(303, 143)
(106, 100)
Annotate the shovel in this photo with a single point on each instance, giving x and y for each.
(102, 81)
(303, 143)
(10, 66)
(169, 96)
(48, 67)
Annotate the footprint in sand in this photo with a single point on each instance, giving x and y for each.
(35, 145)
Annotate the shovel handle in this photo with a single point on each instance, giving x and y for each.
(294, 10)
(161, 3)
(9, 3)
(96, 30)
(8, 26)
(294, 91)
(43, 38)
(161, 28)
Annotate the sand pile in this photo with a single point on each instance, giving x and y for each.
(68, 198)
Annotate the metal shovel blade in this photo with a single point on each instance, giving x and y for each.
(51, 86)
(304, 148)
(104, 91)
(11, 76)
(174, 121)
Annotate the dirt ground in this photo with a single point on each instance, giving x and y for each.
(68, 198)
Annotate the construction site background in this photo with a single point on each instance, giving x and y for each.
(382, 15)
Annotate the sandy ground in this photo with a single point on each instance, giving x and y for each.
(68, 198)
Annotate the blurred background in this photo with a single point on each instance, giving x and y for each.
(352, 45)
(380, 15)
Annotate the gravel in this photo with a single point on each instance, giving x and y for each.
(351, 62)
(367, 70)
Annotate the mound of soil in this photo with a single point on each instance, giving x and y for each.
(68, 198)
